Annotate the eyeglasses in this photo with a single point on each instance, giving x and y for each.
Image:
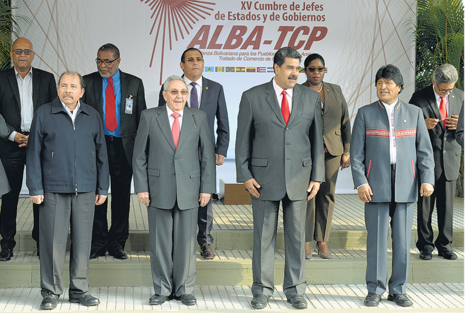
(444, 90)
(175, 92)
(20, 51)
(107, 62)
(197, 59)
(314, 69)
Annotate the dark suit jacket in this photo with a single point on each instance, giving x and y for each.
(44, 91)
(213, 103)
(446, 149)
(4, 133)
(281, 158)
(335, 120)
(130, 85)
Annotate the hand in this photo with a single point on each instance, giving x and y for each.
(426, 190)
(451, 122)
(144, 198)
(21, 140)
(219, 159)
(252, 187)
(345, 162)
(365, 193)
(431, 122)
(99, 199)
(36, 199)
(204, 199)
(312, 189)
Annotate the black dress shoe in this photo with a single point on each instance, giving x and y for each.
(298, 302)
(49, 302)
(95, 254)
(425, 255)
(86, 300)
(119, 254)
(157, 299)
(448, 254)
(6, 254)
(400, 299)
(259, 302)
(187, 299)
(372, 299)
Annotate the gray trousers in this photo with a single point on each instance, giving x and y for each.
(377, 217)
(56, 213)
(265, 216)
(172, 241)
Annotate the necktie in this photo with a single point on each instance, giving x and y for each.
(194, 100)
(443, 111)
(175, 129)
(111, 123)
(285, 107)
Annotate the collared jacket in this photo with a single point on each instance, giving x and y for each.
(65, 156)
(370, 152)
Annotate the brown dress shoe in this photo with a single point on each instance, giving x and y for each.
(308, 252)
(207, 252)
(322, 248)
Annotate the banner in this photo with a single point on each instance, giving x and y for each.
(238, 40)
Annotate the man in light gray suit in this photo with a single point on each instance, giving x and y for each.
(4, 133)
(174, 173)
(390, 149)
(279, 157)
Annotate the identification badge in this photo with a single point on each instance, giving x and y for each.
(129, 105)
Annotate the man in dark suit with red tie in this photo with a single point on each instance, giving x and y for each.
(441, 103)
(119, 98)
(23, 90)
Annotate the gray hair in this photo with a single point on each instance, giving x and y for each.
(445, 74)
(286, 52)
(170, 79)
(72, 73)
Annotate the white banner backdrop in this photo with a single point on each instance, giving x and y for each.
(238, 40)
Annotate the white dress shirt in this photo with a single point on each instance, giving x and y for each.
(289, 94)
(198, 88)
(25, 88)
(171, 119)
(390, 108)
(438, 101)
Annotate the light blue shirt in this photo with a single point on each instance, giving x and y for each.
(117, 94)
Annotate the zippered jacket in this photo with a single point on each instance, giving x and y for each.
(65, 156)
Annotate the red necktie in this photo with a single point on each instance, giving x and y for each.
(443, 111)
(285, 107)
(175, 129)
(111, 123)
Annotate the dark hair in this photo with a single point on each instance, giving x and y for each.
(313, 56)
(112, 48)
(390, 72)
(286, 52)
(183, 56)
(72, 73)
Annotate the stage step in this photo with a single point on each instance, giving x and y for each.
(233, 267)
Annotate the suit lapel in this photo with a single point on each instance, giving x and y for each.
(14, 87)
(328, 97)
(124, 83)
(271, 98)
(205, 92)
(36, 86)
(188, 125)
(296, 103)
(98, 83)
(453, 105)
(163, 122)
(431, 98)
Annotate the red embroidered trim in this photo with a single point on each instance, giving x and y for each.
(370, 165)
(413, 168)
(406, 133)
(377, 133)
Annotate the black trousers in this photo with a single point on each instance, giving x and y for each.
(443, 196)
(205, 218)
(121, 175)
(14, 169)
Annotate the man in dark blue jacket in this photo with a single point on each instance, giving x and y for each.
(67, 174)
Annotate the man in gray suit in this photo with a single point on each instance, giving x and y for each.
(279, 158)
(390, 149)
(174, 174)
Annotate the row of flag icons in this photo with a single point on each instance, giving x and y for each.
(237, 69)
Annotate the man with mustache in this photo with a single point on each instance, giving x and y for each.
(279, 158)
(67, 175)
(119, 98)
(208, 96)
(24, 89)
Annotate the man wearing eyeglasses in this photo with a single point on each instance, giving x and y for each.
(23, 90)
(174, 174)
(441, 103)
(119, 98)
(208, 96)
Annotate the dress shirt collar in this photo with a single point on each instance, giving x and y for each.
(169, 112)
(30, 72)
(72, 114)
(278, 90)
(188, 82)
(116, 77)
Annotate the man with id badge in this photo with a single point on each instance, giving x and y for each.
(119, 98)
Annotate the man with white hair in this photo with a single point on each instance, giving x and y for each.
(441, 103)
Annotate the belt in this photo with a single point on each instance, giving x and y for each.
(393, 166)
(112, 138)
